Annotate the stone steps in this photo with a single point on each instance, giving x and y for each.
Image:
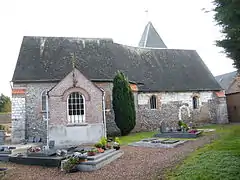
(100, 155)
(100, 162)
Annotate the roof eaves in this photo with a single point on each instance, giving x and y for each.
(189, 90)
(35, 81)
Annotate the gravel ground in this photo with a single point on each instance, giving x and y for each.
(136, 163)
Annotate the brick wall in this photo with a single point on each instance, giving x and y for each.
(58, 100)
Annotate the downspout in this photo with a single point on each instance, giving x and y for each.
(47, 117)
(104, 116)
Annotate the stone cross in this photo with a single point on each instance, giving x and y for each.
(73, 66)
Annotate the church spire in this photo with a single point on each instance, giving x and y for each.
(150, 38)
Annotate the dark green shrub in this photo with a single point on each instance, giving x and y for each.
(123, 104)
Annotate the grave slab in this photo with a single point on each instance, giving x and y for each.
(47, 161)
(178, 135)
(159, 144)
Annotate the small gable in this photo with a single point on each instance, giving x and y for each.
(75, 80)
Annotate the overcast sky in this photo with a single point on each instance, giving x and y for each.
(181, 23)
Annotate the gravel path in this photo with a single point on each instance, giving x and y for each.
(136, 163)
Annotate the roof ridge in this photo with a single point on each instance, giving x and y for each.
(70, 37)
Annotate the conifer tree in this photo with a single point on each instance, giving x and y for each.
(123, 104)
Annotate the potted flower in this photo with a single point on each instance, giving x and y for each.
(103, 141)
(100, 150)
(98, 145)
(108, 146)
(116, 144)
(92, 152)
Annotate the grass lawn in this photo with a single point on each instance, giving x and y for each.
(136, 137)
(216, 161)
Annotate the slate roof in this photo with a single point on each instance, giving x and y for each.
(225, 80)
(50, 59)
(150, 38)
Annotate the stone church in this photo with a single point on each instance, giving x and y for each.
(62, 87)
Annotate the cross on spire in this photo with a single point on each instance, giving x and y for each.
(147, 15)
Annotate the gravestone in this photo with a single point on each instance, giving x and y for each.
(163, 127)
(37, 139)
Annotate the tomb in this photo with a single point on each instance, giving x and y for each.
(178, 134)
(158, 143)
(96, 162)
(182, 131)
(58, 157)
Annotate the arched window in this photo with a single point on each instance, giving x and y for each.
(153, 102)
(195, 102)
(44, 101)
(76, 108)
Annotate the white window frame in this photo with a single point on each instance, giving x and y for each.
(76, 119)
(153, 102)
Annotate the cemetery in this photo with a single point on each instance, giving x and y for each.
(68, 159)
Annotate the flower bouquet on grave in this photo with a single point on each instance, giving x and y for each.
(33, 149)
(192, 131)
